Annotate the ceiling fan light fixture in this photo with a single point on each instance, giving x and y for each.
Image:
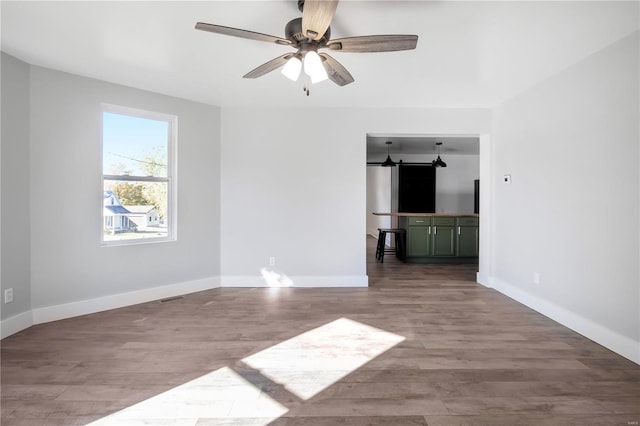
(319, 76)
(292, 68)
(313, 67)
(306, 35)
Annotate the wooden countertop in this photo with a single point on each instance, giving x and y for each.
(400, 214)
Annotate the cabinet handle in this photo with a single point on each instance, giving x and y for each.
(419, 221)
(429, 229)
(435, 230)
(458, 230)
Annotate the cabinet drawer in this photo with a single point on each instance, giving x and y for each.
(443, 221)
(467, 221)
(419, 220)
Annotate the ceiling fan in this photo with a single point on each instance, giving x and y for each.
(308, 35)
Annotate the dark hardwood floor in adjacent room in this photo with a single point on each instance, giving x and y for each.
(424, 344)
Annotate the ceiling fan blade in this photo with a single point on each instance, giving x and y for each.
(336, 71)
(374, 43)
(317, 16)
(236, 32)
(267, 67)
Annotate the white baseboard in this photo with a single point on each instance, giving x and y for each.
(15, 324)
(90, 306)
(604, 336)
(25, 320)
(483, 279)
(45, 314)
(271, 278)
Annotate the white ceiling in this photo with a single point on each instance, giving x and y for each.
(469, 54)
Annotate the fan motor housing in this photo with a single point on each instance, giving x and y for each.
(293, 32)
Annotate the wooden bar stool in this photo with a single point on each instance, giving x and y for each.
(399, 246)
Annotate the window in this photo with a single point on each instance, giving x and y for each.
(138, 174)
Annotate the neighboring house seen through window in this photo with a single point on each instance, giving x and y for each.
(138, 170)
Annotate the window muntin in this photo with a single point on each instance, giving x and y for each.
(138, 170)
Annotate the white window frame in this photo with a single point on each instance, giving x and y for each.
(170, 180)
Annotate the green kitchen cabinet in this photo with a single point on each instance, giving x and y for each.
(441, 238)
(418, 236)
(443, 242)
(467, 244)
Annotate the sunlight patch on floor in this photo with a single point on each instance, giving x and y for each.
(304, 365)
(221, 394)
(311, 362)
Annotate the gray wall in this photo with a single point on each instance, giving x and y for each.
(67, 261)
(15, 177)
(298, 192)
(572, 211)
(51, 207)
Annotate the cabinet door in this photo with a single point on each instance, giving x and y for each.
(467, 241)
(418, 241)
(443, 241)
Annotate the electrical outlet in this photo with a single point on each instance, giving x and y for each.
(506, 178)
(8, 295)
(272, 261)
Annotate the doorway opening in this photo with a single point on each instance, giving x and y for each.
(457, 184)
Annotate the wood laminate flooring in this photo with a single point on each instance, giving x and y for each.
(423, 345)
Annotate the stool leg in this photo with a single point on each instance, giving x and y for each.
(380, 245)
(383, 244)
(397, 242)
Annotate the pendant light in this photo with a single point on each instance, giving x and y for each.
(438, 161)
(388, 162)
